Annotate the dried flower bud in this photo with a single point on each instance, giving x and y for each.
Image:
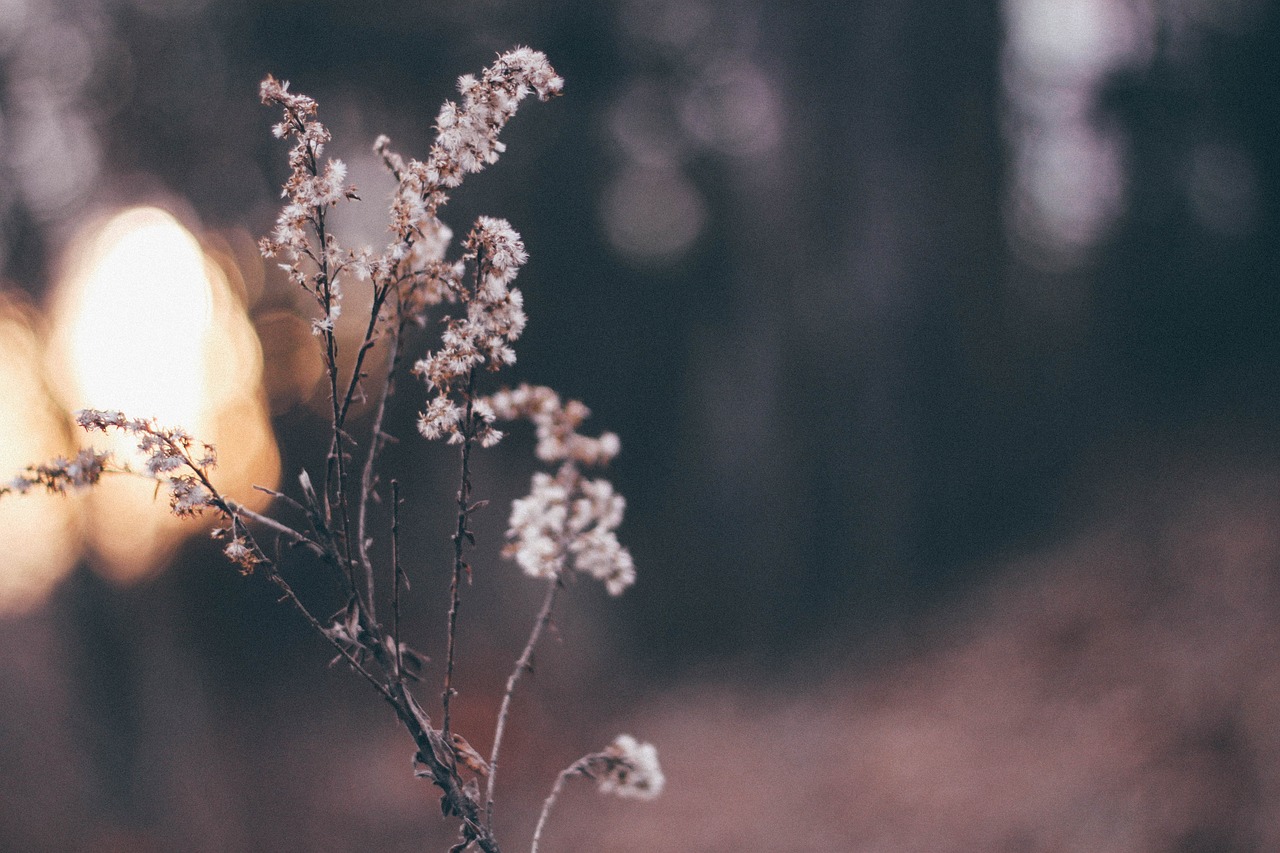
(628, 768)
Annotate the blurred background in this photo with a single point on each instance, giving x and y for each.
(939, 337)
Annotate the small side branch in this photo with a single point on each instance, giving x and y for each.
(368, 477)
(524, 664)
(395, 581)
(578, 768)
(296, 537)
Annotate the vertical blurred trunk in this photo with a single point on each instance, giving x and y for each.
(866, 265)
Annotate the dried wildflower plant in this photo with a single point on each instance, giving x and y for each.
(567, 522)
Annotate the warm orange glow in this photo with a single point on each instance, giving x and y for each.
(39, 541)
(145, 324)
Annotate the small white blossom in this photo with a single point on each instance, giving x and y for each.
(630, 769)
(494, 319)
(599, 554)
(61, 474)
(440, 419)
(239, 552)
(537, 528)
(569, 518)
(556, 423)
(167, 449)
(309, 191)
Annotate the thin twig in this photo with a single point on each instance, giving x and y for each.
(376, 441)
(524, 663)
(577, 768)
(276, 578)
(370, 339)
(461, 534)
(226, 507)
(336, 451)
(295, 536)
(407, 709)
(395, 584)
(459, 803)
(281, 496)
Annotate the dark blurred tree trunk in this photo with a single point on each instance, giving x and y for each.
(868, 272)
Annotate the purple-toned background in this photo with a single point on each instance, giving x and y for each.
(941, 342)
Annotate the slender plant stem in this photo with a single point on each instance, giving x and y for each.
(336, 451)
(276, 578)
(376, 441)
(443, 772)
(411, 715)
(565, 775)
(524, 664)
(366, 491)
(273, 574)
(370, 339)
(295, 536)
(395, 583)
(460, 536)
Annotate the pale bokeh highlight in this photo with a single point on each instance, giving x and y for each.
(144, 323)
(39, 536)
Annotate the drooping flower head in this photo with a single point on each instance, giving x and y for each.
(629, 768)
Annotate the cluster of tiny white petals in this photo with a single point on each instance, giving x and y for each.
(466, 141)
(308, 187)
(414, 264)
(467, 134)
(537, 527)
(441, 418)
(415, 260)
(567, 518)
(240, 550)
(187, 496)
(309, 191)
(570, 519)
(629, 769)
(599, 554)
(495, 318)
(61, 474)
(167, 450)
(556, 423)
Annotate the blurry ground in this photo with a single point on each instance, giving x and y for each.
(1115, 692)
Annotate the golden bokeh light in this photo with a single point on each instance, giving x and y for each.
(145, 324)
(39, 538)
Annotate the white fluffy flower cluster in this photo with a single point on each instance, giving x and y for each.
(308, 187)
(565, 518)
(61, 474)
(310, 191)
(414, 264)
(467, 137)
(466, 141)
(556, 423)
(415, 261)
(570, 518)
(495, 317)
(167, 449)
(630, 769)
